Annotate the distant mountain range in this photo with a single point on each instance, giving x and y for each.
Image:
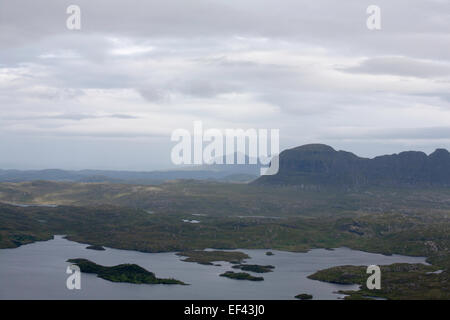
(321, 165)
(216, 172)
(312, 165)
(132, 177)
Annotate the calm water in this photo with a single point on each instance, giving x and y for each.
(38, 271)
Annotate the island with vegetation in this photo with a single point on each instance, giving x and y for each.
(96, 247)
(304, 296)
(208, 257)
(254, 268)
(399, 281)
(130, 273)
(241, 276)
(269, 253)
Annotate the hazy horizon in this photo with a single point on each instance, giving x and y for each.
(184, 167)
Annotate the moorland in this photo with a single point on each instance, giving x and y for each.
(410, 217)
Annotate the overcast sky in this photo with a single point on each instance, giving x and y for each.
(109, 95)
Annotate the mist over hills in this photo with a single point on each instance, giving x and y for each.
(311, 165)
(219, 172)
(321, 165)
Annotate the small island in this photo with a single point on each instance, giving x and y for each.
(269, 253)
(241, 276)
(96, 247)
(208, 257)
(131, 273)
(304, 296)
(254, 268)
(341, 275)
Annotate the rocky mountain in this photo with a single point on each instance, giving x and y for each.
(321, 165)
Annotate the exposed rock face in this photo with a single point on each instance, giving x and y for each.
(321, 165)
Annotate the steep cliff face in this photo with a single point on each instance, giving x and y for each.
(318, 164)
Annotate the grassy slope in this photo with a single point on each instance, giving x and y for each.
(222, 199)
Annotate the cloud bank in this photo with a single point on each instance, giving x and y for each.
(109, 95)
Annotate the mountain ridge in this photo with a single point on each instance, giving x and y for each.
(321, 165)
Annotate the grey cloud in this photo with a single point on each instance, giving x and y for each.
(217, 76)
(154, 94)
(123, 116)
(443, 95)
(401, 66)
(68, 116)
(420, 133)
(321, 21)
(266, 54)
(200, 88)
(79, 117)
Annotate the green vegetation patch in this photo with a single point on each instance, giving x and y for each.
(254, 268)
(208, 257)
(304, 296)
(130, 273)
(96, 247)
(399, 281)
(241, 276)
